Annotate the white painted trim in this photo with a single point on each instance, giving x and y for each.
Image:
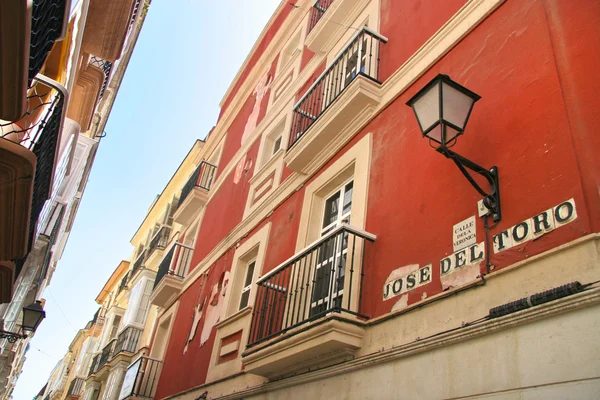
(457, 27)
(335, 59)
(316, 243)
(571, 303)
(270, 49)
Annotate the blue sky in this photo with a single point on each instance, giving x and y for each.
(187, 55)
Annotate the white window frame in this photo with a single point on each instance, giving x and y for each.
(355, 164)
(338, 252)
(340, 217)
(138, 304)
(254, 248)
(247, 288)
(267, 151)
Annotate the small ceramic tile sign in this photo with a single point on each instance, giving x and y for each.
(464, 234)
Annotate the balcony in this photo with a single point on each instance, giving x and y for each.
(316, 13)
(328, 21)
(306, 311)
(123, 284)
(335, 106)
(146, 371)
(127, 341)
(139, 263)
(28, 148)
(28, 30)
(105, 355)
(158, 243)
(94, 365)
(106, 67)
(194, 194)
(86, 94)
(75, 389)
(171, 271)
(106, 27)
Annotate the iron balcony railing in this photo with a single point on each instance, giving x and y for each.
(134, 13)
(128, 340)
(105, 66)
(94, 365)
(47, 19)
(160, 240)
(360, 57)
(202, 177)
(323, 278)
(106, 354)
(146, 380)
(123, 283)
(139, 262)
(316, 12)
(39, 131)
(175, 263)
(75, 388)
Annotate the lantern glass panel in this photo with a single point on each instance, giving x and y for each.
(457, 106)
(451, 133)
(427, 107)
(32, 317)
(436, 133)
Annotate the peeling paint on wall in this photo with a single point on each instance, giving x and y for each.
(259, 92)
(213, 305)
(461, 276)
(401, 303)
(198, 311)
(239, 169)
(242, 168)
(405, 279)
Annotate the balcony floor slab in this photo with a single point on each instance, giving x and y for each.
(335, 127)
(324, 342)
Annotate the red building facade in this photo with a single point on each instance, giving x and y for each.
(315, 139)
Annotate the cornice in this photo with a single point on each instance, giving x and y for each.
(299, 4)
(245, 90)
(468, 332)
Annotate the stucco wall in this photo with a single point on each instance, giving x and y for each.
(534, 123)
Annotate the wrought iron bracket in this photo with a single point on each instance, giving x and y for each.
(491, 200)
(11, 336)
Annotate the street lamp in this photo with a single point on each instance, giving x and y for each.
(443, 108)
(33, 315)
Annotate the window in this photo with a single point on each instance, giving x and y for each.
(356, 60)
(276, 145)
(167, 218)
(144, 306)
(273, 142)
(247, 284)
(139, 303)
(334, 212)
(331, 265)
(115, 327)
(138, 251)
(248, 262)
(82, 366)
(111, 385)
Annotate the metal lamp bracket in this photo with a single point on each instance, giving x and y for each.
(11, 336)
(491, 200)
